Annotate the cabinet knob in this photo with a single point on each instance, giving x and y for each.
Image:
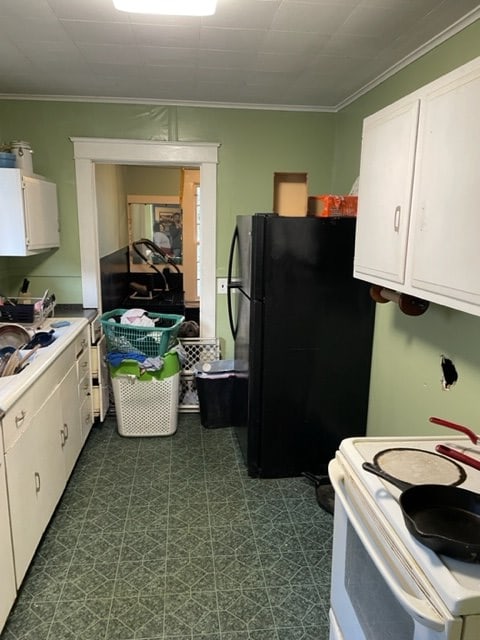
(396, 219)
(36, 476)
(20, 418)
(64, 435)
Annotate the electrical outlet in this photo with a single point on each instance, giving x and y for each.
(221, 285)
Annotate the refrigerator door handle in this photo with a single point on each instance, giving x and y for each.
(231, 284)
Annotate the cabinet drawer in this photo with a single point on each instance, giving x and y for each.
(100, 400)
(84, 388)
(18, 417)
(97, 358)
(83, 364)
(82, 342)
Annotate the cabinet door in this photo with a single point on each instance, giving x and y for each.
(385, 190)
(70, 434)
(86, 418)
(28, 214)
(446, 256)
(12, 238)
(35, 480)
(100, 388)
(41, 214)
(8, 590)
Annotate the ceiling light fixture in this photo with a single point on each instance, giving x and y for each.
(168, 7)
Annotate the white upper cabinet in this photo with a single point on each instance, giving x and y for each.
(446, 231)
(28, 214)
(418, 220)
(385, 191)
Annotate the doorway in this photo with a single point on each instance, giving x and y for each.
(91, 151)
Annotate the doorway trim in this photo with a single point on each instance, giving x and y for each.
(91, 151)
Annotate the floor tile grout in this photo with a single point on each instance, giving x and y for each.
(215, 557)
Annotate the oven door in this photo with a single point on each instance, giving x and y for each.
(376, 590)
(335, 633)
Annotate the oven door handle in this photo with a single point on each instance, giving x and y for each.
(417, 608)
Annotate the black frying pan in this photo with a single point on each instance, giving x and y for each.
(444, 518)
(323, 490)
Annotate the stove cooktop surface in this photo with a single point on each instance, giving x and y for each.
(457, 582)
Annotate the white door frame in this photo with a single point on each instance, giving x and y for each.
(88, 151)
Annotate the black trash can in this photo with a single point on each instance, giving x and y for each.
(215, 388)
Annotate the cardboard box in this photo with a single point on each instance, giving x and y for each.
(290, 194)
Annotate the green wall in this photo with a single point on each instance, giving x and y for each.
(254, 144)
(111, 197)
(152, 181)
(451, 54)
(406, 374)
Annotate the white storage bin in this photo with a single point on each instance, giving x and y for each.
(146, 407)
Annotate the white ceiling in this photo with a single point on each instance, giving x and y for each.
(311, 54)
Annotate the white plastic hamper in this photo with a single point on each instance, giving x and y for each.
(146, 407)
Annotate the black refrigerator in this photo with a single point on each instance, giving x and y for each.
(303, 330)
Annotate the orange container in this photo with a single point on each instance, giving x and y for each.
(349, 205)
(332, 205)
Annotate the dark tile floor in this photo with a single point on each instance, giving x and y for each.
(169, 539)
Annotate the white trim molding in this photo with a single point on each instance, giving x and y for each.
(88, 151)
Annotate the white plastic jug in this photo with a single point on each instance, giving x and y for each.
(23, 153)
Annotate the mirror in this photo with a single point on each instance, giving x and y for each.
(173, 223)
(168, 230)
(159, 223)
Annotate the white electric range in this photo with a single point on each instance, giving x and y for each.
(385, 583)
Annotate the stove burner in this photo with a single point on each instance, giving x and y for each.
(418, 466)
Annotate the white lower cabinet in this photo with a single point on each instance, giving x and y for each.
(86, 418)
(35, 479)
(43, 431)
(8, 589)
(70, 434)
(84, 376)
(100, 377)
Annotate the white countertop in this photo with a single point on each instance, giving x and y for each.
(12, 387)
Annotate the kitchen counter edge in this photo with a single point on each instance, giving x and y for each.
(13, 387)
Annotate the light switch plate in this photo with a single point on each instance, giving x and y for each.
(222, 285)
